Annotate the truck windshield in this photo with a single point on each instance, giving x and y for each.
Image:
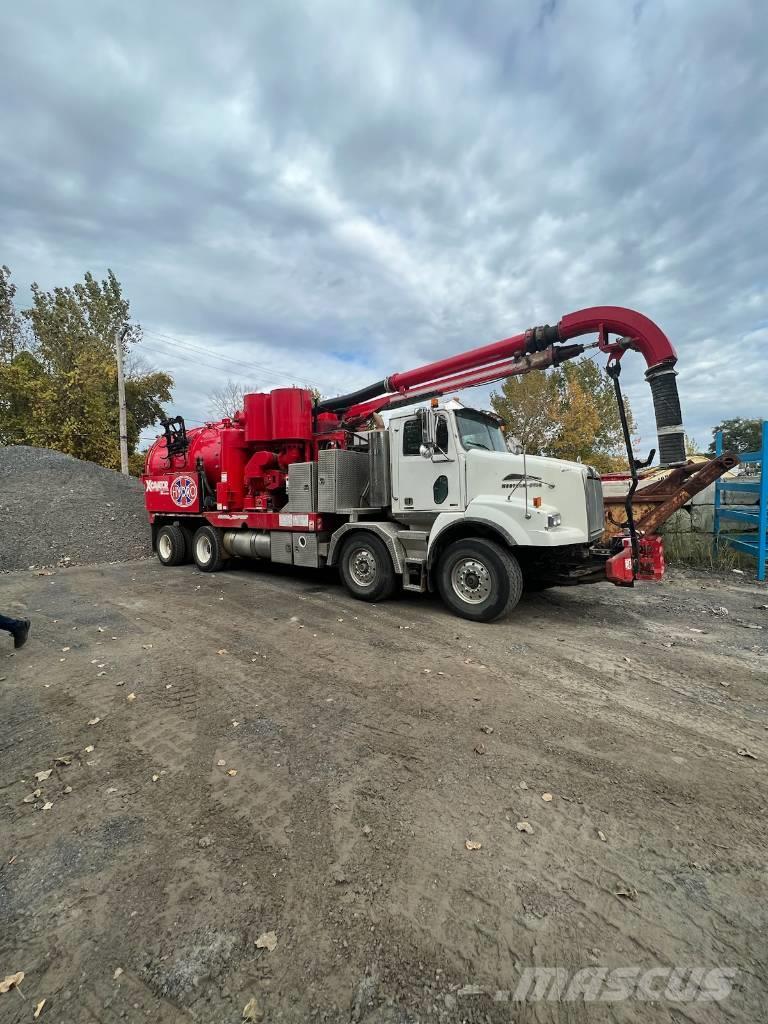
(479, 431)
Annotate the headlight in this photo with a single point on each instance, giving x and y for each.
(553, 521)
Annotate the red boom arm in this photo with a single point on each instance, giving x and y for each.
(537, 348)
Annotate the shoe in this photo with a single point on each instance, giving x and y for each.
(20, 635)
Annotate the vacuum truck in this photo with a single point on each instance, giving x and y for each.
(433, 501)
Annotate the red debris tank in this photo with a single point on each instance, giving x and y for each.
(258, 418)
(291, 414)
(204, 442)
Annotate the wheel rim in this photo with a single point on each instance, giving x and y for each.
(362, 567)
(471, 581)
(203, 549)
(164, 546)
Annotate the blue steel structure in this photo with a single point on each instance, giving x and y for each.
(751, 543)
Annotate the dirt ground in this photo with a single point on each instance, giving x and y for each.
(255, 752)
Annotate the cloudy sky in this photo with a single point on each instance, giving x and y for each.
(323, 192)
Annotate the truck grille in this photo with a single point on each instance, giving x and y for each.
(594, 494)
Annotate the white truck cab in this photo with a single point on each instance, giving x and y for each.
(471, 518)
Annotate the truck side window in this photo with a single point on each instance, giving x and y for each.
(441, 434)
(411, 437)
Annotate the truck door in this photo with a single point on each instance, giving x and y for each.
(425, 485)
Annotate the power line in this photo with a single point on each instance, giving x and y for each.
(166, 339)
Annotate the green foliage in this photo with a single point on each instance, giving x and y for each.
(566, 413)
(58, 376)
(739, 434)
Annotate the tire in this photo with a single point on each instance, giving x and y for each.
(171, 545)
(479, 579)
(207, 550)
(189, 533)
(366, 567)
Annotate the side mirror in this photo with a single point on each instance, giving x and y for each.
(427, 421)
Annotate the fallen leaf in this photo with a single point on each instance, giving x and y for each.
(120, 683)
(11, 980)
(89, 749)
(232, 772)
(251, 1010)
(630, 893)
(746, 752)
(235, 724)
(100, 629)
(268, 941)
(65, 649)
(31, 797)
(546, 797)
(112, 789)
(94, 721)
(222, 651)
(487, 729)
(131, 696)
(480, 748)
(367, 830)
(601, 836)
(47, 805)
(523, 785)
(470, 844)
(64, 760)
(38, 1009)
(155, 778)
(146, 646)
(524, 826)
(118, 972)
(42, 776)
(220, 763)
(692, 629)
(67, 790)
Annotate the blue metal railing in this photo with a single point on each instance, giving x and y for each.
(753, 544)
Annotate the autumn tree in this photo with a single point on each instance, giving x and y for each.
(567, 413)
(58, 381)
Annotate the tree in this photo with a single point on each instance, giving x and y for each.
(58, 386)
(226, 400)
(566, 413)
(739, 434)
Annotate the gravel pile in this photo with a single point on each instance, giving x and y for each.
(57, 510)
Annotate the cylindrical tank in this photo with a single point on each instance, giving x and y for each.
(234, 455)
(291, 414)
(258, 422)
(203, 441)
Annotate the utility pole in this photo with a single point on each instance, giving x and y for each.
(119, 335)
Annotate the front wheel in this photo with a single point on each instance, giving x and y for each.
(207, 549)
(366, 567)
(479, 579)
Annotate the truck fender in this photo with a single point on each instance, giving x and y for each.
(386, 531)
(449, 525)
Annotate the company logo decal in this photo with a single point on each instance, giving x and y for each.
(158, 486)
(514, 480)
(183, 491)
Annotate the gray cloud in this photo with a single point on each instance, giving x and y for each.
(337, 190)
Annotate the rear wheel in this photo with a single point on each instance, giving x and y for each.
(366, 567)
(208, 550)
(479, 579)
(171, 545)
